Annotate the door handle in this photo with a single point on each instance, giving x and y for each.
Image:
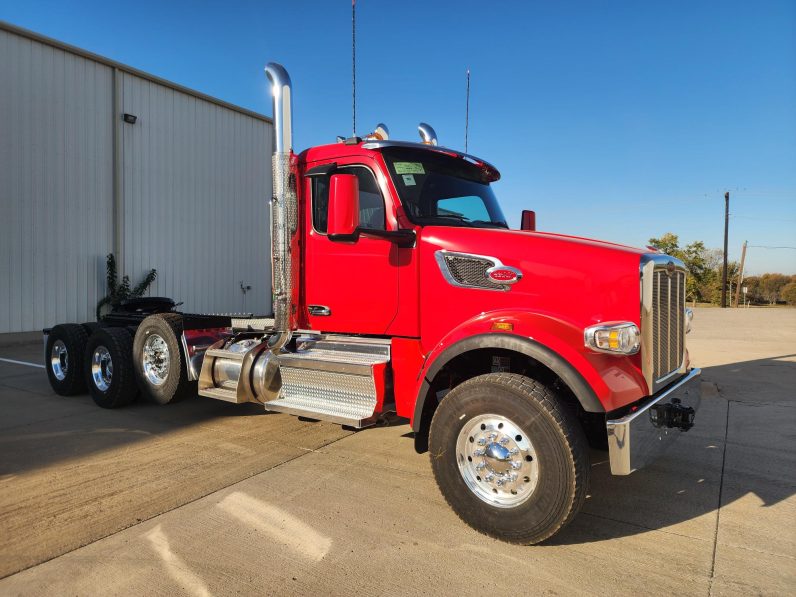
(319, 310)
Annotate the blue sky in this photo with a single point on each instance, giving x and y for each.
(616, 120)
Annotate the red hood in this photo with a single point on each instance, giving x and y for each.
(580, 280)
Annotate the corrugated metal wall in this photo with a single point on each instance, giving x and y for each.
(55, 184)
(194, 181)
(196, 186)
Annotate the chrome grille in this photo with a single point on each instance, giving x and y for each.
(469, 271)
(463, 269)
(666, 322)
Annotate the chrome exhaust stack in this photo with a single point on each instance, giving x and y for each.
(284, 210)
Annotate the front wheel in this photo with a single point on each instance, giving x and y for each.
(509, 457)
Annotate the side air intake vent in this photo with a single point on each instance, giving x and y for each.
(469, 271)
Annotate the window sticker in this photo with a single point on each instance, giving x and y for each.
(409, 168)
(409, 180)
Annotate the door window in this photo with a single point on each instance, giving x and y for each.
(371, 203)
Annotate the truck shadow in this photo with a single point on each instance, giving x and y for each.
(742, 448)
(57, 428)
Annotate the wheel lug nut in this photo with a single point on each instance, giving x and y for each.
(482, 442)
(504, 441)
(515, 465)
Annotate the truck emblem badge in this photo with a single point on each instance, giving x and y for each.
(503, 274)
(670, 269)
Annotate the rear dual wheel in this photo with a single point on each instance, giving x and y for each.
(509, 457)
(64, 350)
(159, 360)
(108, 367)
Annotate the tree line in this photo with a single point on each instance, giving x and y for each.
(704, 275)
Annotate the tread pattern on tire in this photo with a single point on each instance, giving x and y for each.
(179, 389)
(75, 338)
(123, 389)
(569, 427)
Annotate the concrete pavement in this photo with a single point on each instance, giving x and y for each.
(209, 498)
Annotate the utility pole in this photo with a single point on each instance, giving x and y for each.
(726, 231)
(740, 275)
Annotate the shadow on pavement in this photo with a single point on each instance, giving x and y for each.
(743, 443)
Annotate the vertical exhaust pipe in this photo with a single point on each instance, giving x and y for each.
(284, 210)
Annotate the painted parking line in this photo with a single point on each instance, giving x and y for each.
(22, 363)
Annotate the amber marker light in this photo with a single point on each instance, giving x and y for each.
(502, 326)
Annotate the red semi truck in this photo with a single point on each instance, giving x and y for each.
(398, 287)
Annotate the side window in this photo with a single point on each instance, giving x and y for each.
(320, 202)
(371, 203)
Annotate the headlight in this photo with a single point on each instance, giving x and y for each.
(689, 315)
(614, 338)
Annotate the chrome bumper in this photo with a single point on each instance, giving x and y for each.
(637, 439)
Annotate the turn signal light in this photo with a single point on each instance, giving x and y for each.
(615, 338)
(502, 326)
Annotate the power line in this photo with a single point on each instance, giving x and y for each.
(769, 247)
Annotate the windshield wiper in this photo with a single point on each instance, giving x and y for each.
(458, 218)
(490, 224)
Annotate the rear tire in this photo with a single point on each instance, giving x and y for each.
(64, 353)
(160, 365)
(509, 457)
(109, 367)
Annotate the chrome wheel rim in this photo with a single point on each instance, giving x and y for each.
(156, 360)
(497, 461)
(59, 360)
(102, 368)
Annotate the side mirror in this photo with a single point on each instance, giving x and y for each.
(343, 210)
(528, 220)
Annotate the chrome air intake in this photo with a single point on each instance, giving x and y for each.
(283, 208)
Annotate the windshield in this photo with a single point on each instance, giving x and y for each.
(443, 190)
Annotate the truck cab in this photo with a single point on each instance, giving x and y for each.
(399, 287)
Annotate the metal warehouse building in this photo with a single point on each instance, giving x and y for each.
(184, 189)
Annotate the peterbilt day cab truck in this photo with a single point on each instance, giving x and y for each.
(398, 287)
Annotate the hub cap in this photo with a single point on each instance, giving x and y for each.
(497, 461)
(156, 360)
(59, 360)
(101, 368)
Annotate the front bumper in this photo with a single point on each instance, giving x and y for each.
(637, 439)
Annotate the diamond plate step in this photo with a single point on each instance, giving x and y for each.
(332, 379)
(307, 408)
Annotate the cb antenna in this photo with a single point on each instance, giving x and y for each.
(467, 113)
(354, 67)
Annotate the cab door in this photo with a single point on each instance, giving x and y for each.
(349, 286)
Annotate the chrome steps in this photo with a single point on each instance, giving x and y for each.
(336, 378)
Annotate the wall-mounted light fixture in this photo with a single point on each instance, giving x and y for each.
(130, 118)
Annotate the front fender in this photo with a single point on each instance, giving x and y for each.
(600, 382)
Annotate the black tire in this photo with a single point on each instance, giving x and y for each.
(115, 386)
(175, 384)
(65, 365)
(91, 326)
(552, 433)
